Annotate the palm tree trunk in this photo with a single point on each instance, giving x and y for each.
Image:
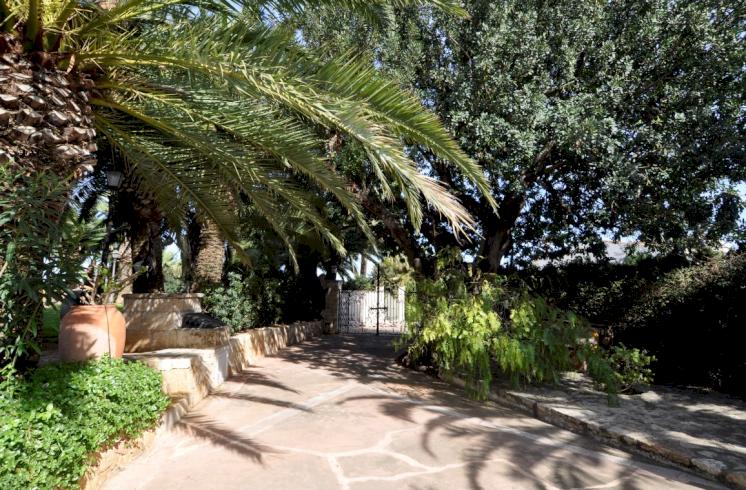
(147, 250)
(210, 256)
(124, 269)
(45, 122)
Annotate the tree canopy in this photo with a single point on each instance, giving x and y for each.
(591, 120)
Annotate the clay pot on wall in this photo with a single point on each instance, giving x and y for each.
(91, 331)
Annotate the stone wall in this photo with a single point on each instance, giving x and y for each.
(249, 346)
(194, 373)
(145, 340)
(189, 375)
(154, 323)
(159, 311)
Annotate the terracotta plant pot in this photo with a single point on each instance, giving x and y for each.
(90, 331)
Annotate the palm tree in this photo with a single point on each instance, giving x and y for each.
(207, 105)
(209, 256)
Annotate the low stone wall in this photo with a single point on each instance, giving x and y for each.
(193, 373)
(189, 375)
(148, 340)
(159, 311)
(112, 460)
(247, 347)
(696, 431)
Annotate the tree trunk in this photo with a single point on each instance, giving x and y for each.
(185, 250)
(189, 245)
(309, 297)
(147, 249)
(499, 234)
(363, 265)
(210, 256)
(45, 122)
(124, 269)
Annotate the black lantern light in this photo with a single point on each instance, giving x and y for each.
(114, 179)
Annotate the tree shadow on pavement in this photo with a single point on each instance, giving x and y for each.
(261, 399)
(538, 454)
(204, 428)
(253, 376)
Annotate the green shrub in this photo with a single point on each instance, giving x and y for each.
(54, 420)
(42, 250)
(455, 333)
(684, 314)
(600, 291)
(246, 302)
(467, 327)
(51, 322)
(359, 283)
(631, 367)
(688, 320)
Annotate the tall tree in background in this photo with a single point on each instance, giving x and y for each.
(591, 119)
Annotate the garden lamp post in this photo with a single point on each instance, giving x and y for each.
(114, 180)
(115, 256)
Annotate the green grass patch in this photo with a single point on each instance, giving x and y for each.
(54, 420)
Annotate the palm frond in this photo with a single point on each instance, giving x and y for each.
(210, 110)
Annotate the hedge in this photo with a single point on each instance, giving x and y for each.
(689, 316)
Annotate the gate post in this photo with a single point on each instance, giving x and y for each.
(331, 306)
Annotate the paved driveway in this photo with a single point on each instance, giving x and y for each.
(337, 413)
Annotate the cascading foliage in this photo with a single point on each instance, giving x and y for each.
(208, 105)
(477, 327)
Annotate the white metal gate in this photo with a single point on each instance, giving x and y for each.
(380, 311)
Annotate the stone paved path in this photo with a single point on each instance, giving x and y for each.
(337, 413)
(704, 431)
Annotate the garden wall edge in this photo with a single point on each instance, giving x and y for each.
(189, 375)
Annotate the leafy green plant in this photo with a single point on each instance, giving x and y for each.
(541, 341)
(359, 282)
(473, 327)
(682, 311)
(244, 125)
(103, 288)
(247, 302)
(53, 421)
(172, 276)
(231, 303)
(631, 367)
(456, 333)
(42, 249)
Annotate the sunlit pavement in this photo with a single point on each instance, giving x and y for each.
(339, 413)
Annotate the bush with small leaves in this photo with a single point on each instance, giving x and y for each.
(56, 418)
(631, 367)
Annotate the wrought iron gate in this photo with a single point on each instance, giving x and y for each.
(375, 312)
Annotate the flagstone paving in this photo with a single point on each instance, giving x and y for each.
(338, 413)
(702, 431)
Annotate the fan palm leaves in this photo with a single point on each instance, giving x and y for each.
(208, 106)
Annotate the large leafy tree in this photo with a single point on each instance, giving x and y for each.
(209, 105)
(591, 119)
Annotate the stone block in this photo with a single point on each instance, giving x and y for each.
(147, 340)
(192, 373)
(710, 466)
(736, 478)
(159, 311)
